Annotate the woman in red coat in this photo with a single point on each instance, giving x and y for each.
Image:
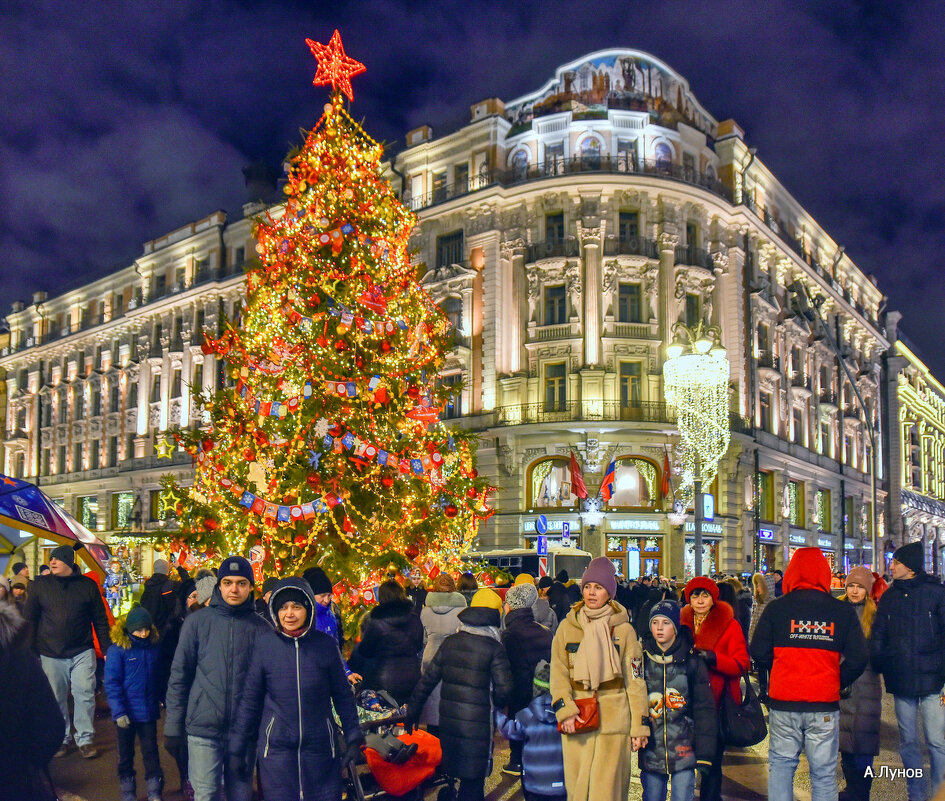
(719, 640)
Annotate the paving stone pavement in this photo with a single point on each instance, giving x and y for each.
(745, 771)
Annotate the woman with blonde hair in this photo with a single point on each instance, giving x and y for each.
(762, 595)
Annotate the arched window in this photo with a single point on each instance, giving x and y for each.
(590, 153)
(520, 165)
(663, 155)
(550, 486)
(636, 483)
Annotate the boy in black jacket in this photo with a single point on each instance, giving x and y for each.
(682, 708)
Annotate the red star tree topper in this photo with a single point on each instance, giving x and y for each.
(325, 444)
(335, 67)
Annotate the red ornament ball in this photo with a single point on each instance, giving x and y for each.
(312, 479)
(249, 454)
(301, 541)
(411, 552)
(210, 524)
(474, 473)
(207, 444)
(471, 493)
(451, 511)
(387, 481)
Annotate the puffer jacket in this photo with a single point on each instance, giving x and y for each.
(542, 760)
(133, 675)
(286, 707)
(721, 633)
(63, 611)
(477, 679)
(526, 644)
(908, 642)
(861, 710)
(160, 599)
(683, 719)
(31, 725)
(210, 666)
(440, 619)
(388, 656)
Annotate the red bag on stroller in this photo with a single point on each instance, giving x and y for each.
(401, 779)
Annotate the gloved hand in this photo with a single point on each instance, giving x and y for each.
(238, 765)
(122, 721)
(352, 752)
(173, 746)
(707, 656)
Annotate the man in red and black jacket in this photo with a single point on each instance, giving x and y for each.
(813, 645)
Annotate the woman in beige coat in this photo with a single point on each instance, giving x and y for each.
(596, 652)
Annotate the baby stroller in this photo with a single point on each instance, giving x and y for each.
(397, 764)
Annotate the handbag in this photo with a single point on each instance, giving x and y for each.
(743, 722)
(589, 712)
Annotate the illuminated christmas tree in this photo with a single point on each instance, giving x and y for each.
(327, 445)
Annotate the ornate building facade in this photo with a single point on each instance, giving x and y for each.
(564, 234)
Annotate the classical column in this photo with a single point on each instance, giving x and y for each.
(591, 236)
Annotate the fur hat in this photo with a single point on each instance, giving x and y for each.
(236, 566)
(702, 583)
(161, 566)
(521, 596)
(862, 576)
(318, 580)
(524, 578)
(486, 598)
(668, 609)
(601, 571)
(205, 587)
(138, 618)
(65, 554)
(912, 556)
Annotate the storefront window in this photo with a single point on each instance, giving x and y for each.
(636, 484)
(796, 503)
(122, 506)
(87, 511)
(710, 550)
(766, 495)
(824, 510)
(550, 484)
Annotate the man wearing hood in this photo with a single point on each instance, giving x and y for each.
(813, 646)
(207, 680)
(906, 646)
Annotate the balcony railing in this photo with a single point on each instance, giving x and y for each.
(694, 257)
(623, 164)
(633, 330)
(769, 360)
(549, 332)
(553, 248)
(800, 381)
(631, 246)
(827, 398)
(590, 411)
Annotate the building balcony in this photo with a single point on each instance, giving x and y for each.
(553, 248)
(631, 246)
(624, 164)
(632, 330)
(801, 383)
(546, 333)
(769, 362)
(827, 398)
(694, 257)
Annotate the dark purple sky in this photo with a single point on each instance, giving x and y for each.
(120, 121)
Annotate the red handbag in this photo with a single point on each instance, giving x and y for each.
(588, 712)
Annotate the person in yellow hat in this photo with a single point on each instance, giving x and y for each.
(524, 578)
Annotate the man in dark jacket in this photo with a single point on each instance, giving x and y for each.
(207, 677)
(527, 643)
(160, 596)
(908, 647)
(813, 645)
(63, 608)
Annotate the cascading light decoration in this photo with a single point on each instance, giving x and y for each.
(326, 446)
(696, 386)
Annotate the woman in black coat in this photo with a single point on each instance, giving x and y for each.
(388, 656)
(295, 677)
(31, 725)
(477, 678)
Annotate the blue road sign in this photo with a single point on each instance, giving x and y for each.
(541, 524)
(566, 531)
(542, 546)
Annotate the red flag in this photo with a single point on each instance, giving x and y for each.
(577, 478)
(664, 486)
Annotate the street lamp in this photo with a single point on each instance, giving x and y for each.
(695, 380)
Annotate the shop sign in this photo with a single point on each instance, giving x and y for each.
(765, 534)
(850, 546)
(825, 542)
(797, 539)
(634, 524)
(528, 526)
(707, 528)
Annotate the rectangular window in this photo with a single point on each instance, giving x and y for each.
(118, 305)
(631, 384)
(113, 451)
(94, 451)
(154, 506)
(130, 446)
(176, 383)
(454, 406)
(114, 396)
(554, 227)
(628, 226)
(764, 411)
(77, 464)
(765, 483)
(461, 178)
(79, 404)
(96, 402)
(796, 503)
(847, 449)
(763, 345)
(693, 309)
(797, 426)
(627, 155)
(692, 230)
(123, 504)
(826, 440)
(824, 510)
(133, 396)
(689, 166)
(449, 249)
(196, 386)
(86, 508)
(556, 311)
(61, 460)
(47, 461)
(160, 285)
(63, 405)
(155, 388)
(555, 387)
(439, 186)
(239, 256)
(629, 303)
(849, 518)
(179, 275)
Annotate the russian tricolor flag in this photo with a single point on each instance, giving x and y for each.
(607, 485)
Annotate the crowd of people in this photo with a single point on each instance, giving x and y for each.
(255, 684)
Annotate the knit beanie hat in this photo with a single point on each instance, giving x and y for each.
(318, 580)
(601, 571)
(444, 583)
(545, 582)
(236, 566)
(912, 556)
(269, 584)
(161, 566)
(542, 678)
(205, 587)
(17, 567)
(284, 595)
(64, 553)
(524, 578)
(138, 618)
(668, 609)
(487, 599)
(521, 596)
(702, 583)
(862, 576)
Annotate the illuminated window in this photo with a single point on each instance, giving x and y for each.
(154, 506)
(765, 483)
(590, 153)
(824, 510)
(556, 387)
(631, 381)
(663, 155)
(629, 303)
(796, 503)
(122, 508)
(636, 484)
(764, 409)
(86, 508)
(450, 249)
(520, 165)
(799, 429)
(550, 484)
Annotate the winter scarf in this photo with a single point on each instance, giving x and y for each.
(482, 631)
(596, 660)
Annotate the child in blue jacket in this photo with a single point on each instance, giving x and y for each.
(542, 762)
(133, 686)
